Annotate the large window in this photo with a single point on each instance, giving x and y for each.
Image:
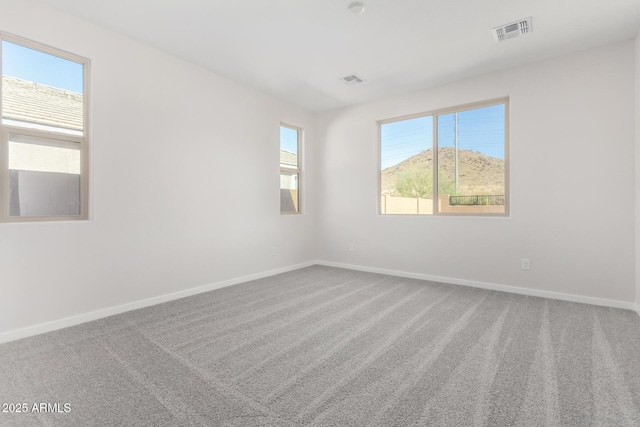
(453, 161)
(43, 133)
(290, 169)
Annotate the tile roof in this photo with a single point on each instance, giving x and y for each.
(288, 158)
(31, 102)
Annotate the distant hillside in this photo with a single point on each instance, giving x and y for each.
(478, 173)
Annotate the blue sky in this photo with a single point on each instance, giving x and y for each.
(33, 65)
(481, 129)
(289, 139)
(404, 139)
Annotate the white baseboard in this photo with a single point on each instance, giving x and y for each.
(491, 286)
(110, 311)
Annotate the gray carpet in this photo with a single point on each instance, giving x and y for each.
(330, 347)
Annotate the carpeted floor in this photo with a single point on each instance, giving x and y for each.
(324, 346)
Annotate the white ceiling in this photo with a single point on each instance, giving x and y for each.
(297, 50)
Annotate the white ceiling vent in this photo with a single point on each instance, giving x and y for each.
(511, 30)
(351, 79)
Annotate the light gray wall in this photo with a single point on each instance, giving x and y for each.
(572, 183)
(184, 183)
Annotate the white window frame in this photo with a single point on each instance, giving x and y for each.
(290, 169)
(43, 132)
(435, 114)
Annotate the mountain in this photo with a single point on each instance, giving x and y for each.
(477, 173)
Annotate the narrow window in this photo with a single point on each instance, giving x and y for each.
(290, 169)
(449, 162)
(43, 140)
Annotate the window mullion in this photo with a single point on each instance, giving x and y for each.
(434, 149)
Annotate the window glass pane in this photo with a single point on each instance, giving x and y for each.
(406, 166)
(41, 91)
(289, 192)
(44, 177)
(471, 161)
(288, 147)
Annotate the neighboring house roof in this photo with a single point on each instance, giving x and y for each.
(31, 102)
(288, 158)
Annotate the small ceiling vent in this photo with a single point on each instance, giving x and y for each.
(511, 30)
(352, 79)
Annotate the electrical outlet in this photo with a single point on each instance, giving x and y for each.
(526, 264)
(352, 247)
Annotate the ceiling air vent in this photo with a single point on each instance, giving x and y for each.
(352, 79)
(511, 30)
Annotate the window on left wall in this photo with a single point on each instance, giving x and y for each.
(44, 144)
(290, 169)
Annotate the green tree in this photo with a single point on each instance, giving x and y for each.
(418, 182)
(415, 182)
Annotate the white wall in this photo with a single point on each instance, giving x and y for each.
(572, 183)
(184, 183)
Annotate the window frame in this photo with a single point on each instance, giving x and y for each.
(296, 170)
(435, 114)
(82, 140)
